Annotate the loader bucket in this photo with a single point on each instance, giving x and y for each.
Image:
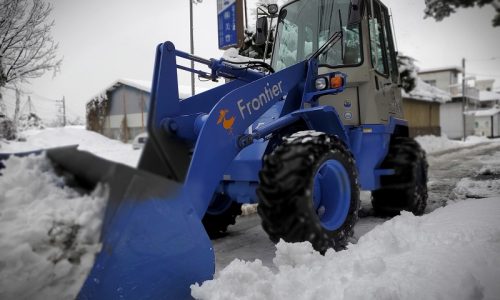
(154, 245)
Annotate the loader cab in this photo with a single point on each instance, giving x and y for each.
(366, 53)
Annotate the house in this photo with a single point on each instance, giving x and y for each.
(422, 108)
(125, 112)
(484, 84)
(486, 122)
(445, 79)
(482, 95)
(454, 123)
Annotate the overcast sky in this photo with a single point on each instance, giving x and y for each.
(103, 40)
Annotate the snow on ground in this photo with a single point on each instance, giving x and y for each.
(486, 183)
(49, 233)
(432, 143)
(74, 135)
(453, 253)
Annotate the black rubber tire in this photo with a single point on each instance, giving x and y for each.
(407, 188)
(286, 189)
(216, 224)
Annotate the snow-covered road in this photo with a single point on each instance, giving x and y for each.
(449, 253)
(248, 241)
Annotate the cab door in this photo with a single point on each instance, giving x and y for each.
(383, 58)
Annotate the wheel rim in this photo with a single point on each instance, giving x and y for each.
(331, 194)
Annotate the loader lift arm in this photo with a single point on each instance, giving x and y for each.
(172, 136)
(173, 224)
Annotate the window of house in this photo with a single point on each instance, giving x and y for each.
(430, 82)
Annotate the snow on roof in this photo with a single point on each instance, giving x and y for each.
(441, 69)
(145, 85)
(142, 85)
(484, 112)
(426, 92)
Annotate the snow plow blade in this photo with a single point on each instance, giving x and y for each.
(154, 244)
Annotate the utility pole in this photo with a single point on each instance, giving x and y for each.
(192, 44)
(246, 14)
(18, 106)
(62, 109)
(30, 105)
(463, 98)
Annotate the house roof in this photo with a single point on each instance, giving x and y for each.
(484, 112)
(441, 69)
(145, 85)
(426, 92)
(142, 85)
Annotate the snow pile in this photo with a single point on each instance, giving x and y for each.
(484, 112)
(30, 121)
(432, 143)
(75, 135)
(449, 254)
(427, 92)
(232, 55)
(485, 184)
(49, 233)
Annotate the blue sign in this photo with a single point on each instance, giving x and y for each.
(226, 13)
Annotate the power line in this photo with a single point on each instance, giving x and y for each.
(40, 97)
(490, 75)
(483, 59)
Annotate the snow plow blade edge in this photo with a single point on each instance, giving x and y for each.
(154, 245)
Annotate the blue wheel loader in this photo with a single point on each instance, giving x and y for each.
(300, 136)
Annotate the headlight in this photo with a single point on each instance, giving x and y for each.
(272, 9)
(321, 83)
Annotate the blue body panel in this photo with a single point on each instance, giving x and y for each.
(369, 144)
(154, 247)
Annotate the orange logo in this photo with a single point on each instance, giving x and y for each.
(226, 123)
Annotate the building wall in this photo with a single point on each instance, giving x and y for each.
(443, 79)
(488, 126)
(129, 101)
(483, 126)
(451, 120)
(485, 85)
(423, 117)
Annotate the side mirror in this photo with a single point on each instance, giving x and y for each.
(261, 32)
(272, 9)
(355, 11)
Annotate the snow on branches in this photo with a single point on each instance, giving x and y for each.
(408, 72)
(440, 9)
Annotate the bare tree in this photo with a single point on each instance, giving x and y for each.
(27, 49)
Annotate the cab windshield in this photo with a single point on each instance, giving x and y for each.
(305, 25)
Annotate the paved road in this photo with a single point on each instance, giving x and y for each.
(247, 240)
